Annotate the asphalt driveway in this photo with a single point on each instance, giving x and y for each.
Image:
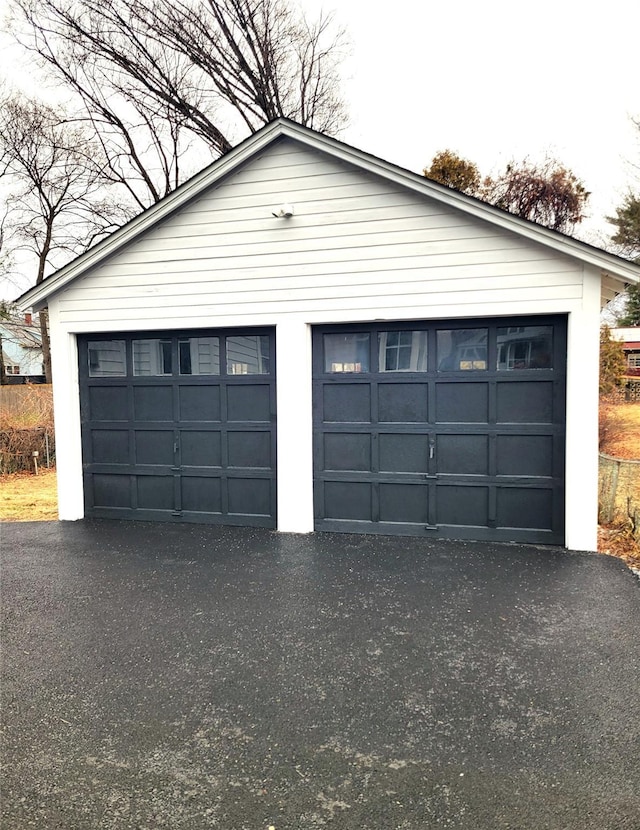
(161, 676)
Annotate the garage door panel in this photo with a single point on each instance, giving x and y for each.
(249, 496)
(347, 500)
(462, 403)
(403, 453)
(201, 449)
(108, 403)
(154, 446)
(460, 454)
(525, 507)
(525, 455)
(347, 451)
(407, 503)
(199, 403)
(155, 492)
(201, 494)
(464, 505)
(249, 449)
(403, 403)
(347, 403)
(153, 403)
(249, 402)
(110, 446)
(186, 439)
(111, 490)
(524, 402)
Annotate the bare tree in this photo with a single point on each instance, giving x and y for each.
(156, 76)
(545, 193)
(57, 204)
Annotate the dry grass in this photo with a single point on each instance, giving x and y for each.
(620, 430)
(25, 497)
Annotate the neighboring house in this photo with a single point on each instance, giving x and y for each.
(21, 350)
(630, 338)
(304, 336)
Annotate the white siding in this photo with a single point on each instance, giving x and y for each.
(357, 247)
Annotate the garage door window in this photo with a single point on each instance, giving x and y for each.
(402, 351)
(346, 352)
(462, 350)
(525, 347)
(248, 355)
(152, 358)
(107, 359)
(199, 355)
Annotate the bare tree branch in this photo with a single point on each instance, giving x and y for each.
(57, 203)
(546, 193)
(155, 75)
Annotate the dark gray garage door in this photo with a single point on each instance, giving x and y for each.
(451, 429)
(180, 426)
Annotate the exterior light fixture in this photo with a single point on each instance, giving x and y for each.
(283, 211)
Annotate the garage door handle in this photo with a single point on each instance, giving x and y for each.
(426, 475)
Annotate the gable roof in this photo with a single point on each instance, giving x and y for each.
(617, 272)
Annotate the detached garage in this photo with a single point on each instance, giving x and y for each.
(306, 337)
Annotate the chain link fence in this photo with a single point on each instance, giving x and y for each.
(629, 392)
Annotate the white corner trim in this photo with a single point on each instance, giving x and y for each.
(66, 407)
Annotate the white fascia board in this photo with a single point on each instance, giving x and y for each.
(616, 268)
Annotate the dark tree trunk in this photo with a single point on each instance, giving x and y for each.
(3, 371)
(46, 346)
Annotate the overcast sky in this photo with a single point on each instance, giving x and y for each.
(494, 80)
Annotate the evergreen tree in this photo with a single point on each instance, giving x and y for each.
(631, 316)
(612, 362)
(627, 222)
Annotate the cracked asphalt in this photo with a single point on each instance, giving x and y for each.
(185, 676)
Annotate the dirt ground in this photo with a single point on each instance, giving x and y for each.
(25, 497)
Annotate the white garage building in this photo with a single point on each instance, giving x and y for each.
(306, 337)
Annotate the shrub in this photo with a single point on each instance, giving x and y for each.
(26, 426)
